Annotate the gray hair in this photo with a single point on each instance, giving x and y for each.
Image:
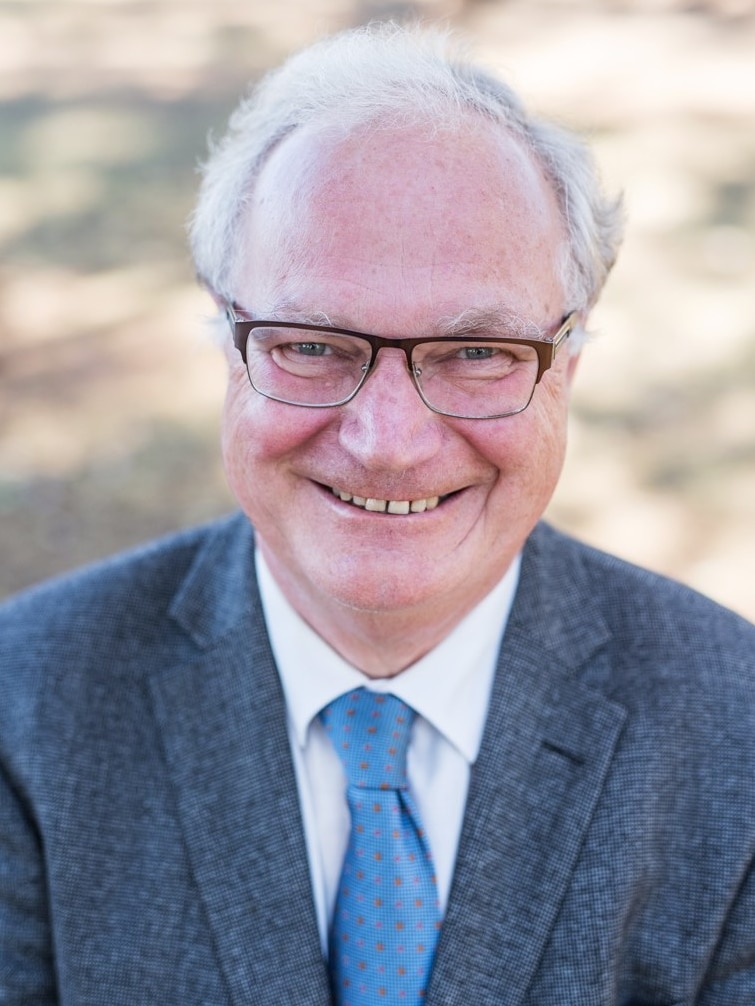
(386, 75)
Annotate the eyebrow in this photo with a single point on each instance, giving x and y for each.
(490, 321)
(498, 320)
(288, 310)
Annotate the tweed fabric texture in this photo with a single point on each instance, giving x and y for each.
(607, 854)
(386, 918)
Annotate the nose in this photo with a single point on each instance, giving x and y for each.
(387, 426)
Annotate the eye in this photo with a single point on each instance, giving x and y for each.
(310, 348)
(478, 352)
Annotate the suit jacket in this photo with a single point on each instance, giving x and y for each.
(151, 847)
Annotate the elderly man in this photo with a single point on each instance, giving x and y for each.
(385, 737)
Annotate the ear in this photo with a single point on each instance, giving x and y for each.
(571, 366)
(220, 302)
(576, 356)
(232, 356)
(218, 325)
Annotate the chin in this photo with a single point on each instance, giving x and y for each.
(381, 586)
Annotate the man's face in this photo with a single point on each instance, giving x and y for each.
(394, 233)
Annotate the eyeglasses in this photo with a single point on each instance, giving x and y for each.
(319, 367)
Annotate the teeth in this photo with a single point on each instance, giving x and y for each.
(388, 506)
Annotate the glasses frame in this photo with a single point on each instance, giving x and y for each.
(546, 350)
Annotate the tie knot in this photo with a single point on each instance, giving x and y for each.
(370, 733)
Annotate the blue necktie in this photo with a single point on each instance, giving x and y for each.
(386, 920)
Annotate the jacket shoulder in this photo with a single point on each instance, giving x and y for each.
(110, 620)
(658, 647)
(636, 603)
(680, 667)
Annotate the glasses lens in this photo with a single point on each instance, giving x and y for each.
(475, 380)
(306, 366)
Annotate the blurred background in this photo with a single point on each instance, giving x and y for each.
(110, 390)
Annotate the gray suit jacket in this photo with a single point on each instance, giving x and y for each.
(151, 848)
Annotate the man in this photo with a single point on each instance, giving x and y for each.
(199, 803)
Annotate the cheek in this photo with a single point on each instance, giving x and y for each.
(237, 440)
(253, 449)
(527, 449)
(236, 443)
(259, 435)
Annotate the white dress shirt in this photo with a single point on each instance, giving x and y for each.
(449, 688)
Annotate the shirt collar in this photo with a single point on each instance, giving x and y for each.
(449, 687)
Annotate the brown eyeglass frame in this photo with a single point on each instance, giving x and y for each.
(546, 349)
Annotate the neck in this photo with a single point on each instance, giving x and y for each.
(381, 644)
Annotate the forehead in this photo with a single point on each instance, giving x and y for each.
(423, 220)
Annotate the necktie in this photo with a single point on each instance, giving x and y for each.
(386, 920)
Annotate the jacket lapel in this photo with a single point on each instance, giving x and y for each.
(547, 748)
(223, 722)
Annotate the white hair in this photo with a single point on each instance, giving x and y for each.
(387, 76)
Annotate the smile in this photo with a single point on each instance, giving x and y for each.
(388, 506)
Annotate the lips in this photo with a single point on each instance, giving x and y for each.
(388, 506)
